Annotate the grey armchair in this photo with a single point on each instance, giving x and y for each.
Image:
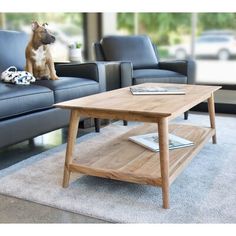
(134, 60)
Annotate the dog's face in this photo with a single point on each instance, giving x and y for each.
(42, 34)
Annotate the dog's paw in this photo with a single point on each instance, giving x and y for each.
(54, 78)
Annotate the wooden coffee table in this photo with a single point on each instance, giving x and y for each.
(121, 159)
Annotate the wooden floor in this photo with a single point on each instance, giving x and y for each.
(124, 160)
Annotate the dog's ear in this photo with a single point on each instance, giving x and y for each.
(45, 24)
(34, 25)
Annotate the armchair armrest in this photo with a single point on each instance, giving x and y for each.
(92, 70)
(126, 73)
(184, 67)
(118, 74)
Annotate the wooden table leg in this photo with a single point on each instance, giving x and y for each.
(73, 129)
(164, 159)
(211, 110)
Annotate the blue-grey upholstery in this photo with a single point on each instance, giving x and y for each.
(67, 88)
(162, 76)
(12, 45)
(28, 110)
(138, 50)
(18, 99)
(139, 62)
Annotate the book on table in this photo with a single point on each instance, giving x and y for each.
(151, 141)
(156, 90)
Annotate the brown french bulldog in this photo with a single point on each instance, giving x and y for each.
(38, 57)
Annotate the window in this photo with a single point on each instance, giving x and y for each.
(67, 28)
(214, 48)
(165, 29)
(216, 58)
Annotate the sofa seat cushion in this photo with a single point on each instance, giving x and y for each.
(67, 88)
(157, 76)
(19, 99)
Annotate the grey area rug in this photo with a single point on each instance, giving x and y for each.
(204, 193)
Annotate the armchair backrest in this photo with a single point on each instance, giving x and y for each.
(12, 49)
(137, 49)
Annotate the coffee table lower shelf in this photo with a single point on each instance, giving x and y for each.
(121, 159)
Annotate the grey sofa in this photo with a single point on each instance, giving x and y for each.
(134, 60)
(27, 110)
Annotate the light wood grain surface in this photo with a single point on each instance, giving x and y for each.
(121, 104)
(73, 130)
(124, 160)
(211, 109)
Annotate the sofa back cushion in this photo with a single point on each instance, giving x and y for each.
(12, 49)
(137, 49)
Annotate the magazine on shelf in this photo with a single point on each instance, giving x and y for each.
(156, 90)
(151, 141)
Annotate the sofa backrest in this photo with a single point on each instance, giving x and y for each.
(137, 49)
(12, 49)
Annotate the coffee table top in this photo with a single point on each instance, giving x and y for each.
(121, 104)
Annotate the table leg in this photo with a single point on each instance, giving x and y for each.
(73, 129)
(211, 110)
(164, 159)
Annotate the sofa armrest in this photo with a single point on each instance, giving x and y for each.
(91, 70)
(184, 67)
